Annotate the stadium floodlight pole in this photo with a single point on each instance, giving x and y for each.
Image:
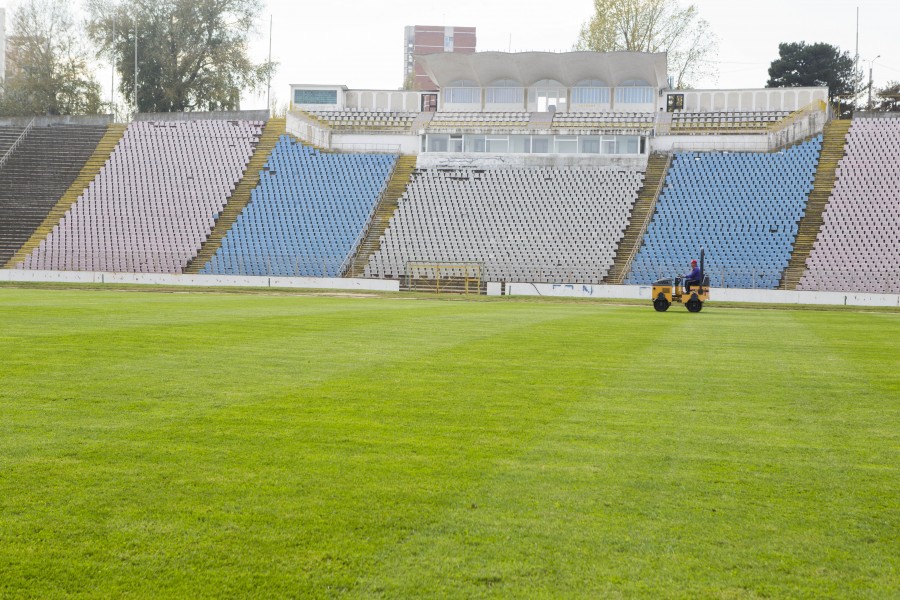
(135, 67)
(871, 62)
(112, 70)
(269, 69)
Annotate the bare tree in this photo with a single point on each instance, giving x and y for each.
(653, 26)
(48, 66)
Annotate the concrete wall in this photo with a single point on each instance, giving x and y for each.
(622, 292)
(374, 142)
(703, 143)
(219, 115)
(97, 120)
(789, 99)
(383, 100)
(432, 160)
(92, 277)
(642, 292)
(308, 131)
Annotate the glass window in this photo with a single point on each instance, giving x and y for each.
(497, 144)
(590, 91)
(437, 143)
(540, 144)
(315, 97)
(520, 144)
(504, 91)
(566, 145)
(474, 143)
(608, 145)
(590, 145)
(462, 91)
(456, 143)
(634, 91)
(629, 144)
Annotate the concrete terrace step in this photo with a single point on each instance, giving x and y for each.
(832, 152)
(88, 171)
(387, 205)
(654, 179)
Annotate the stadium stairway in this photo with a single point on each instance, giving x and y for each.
(383, 213)
(272, 130)
(833, 142)
(45, 177)
(654, 179)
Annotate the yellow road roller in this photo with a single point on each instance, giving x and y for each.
(673, 289)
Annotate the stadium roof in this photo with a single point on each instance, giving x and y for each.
(527, 68)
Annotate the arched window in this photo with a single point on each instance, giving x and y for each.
(462, 91)
(504, 91)
(634, 91)
(546, 93)
(590, 91)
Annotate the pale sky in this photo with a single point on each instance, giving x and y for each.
(359, 43)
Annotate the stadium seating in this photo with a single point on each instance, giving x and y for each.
(858, 246)
(743, 208)
(725, 122)
(306, 214)
(548, 224)
(356, 120)
(37, 174)
(603, 120)
(489, 120)
(154, 202)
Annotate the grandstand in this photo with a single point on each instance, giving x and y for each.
(306, 215)
(550, 225)
(744, 208)
(858, 246)
(530, 166)
(155, 201)
(45, 161)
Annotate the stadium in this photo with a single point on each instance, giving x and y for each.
(413, 352)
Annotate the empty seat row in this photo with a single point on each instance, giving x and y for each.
(747, 229)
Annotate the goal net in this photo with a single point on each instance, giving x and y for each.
(445, 277)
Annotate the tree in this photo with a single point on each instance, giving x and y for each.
(48, 68)
(191, 54)
(653, 26)
(889, 97)
(815, 65)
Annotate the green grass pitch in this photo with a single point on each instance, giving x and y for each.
(216, 445)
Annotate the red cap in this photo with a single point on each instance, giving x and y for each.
(693, 262)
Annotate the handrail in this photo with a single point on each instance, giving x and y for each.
(647, 218)
(16, 143)
(812, 107)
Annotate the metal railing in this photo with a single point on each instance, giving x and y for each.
(16, 143)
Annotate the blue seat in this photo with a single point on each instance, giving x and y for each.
(743, 208)
(306, 213)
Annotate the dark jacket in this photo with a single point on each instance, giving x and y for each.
(695, 274)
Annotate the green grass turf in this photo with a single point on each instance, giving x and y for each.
(215, 445)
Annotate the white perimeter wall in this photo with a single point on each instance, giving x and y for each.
(93, 277)
(642, 292)
(578, 290)
(458, 160)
